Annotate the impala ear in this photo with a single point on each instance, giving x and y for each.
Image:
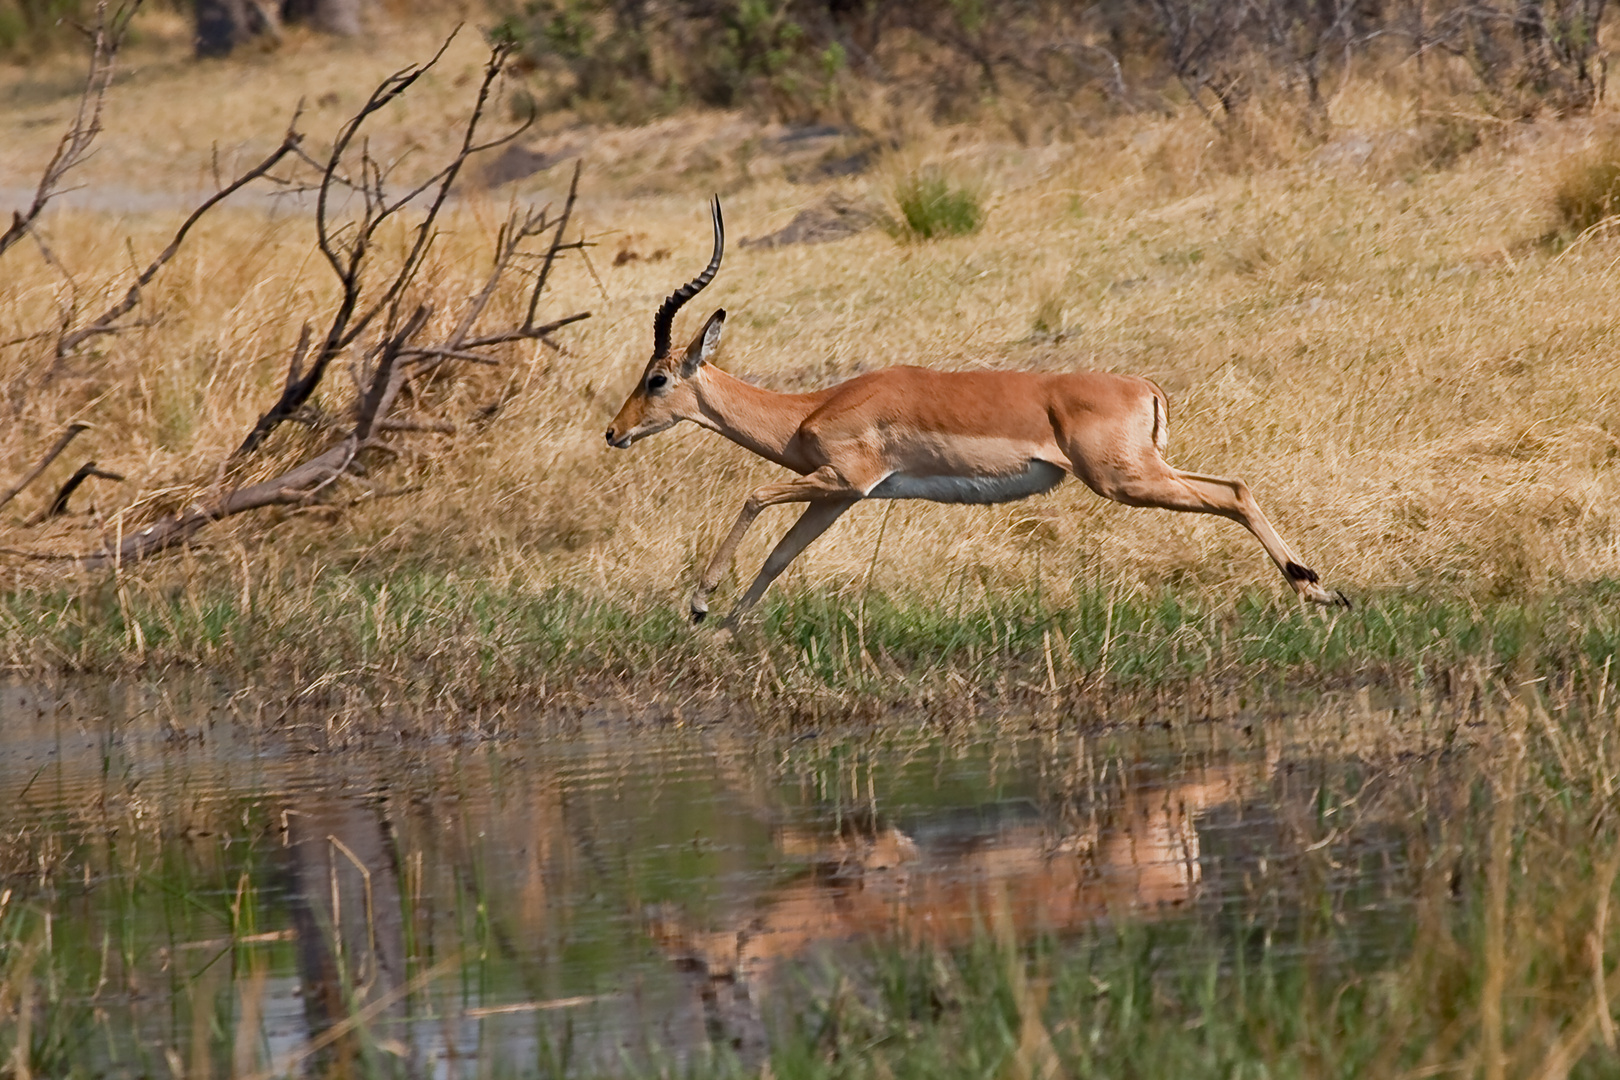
(703, 346)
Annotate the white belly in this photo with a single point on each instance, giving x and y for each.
(1037, 477)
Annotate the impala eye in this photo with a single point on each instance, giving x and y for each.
(656, 382)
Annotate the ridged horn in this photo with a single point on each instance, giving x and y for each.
(666, 314)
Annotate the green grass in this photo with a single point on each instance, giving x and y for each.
(428, 633)
(933, 206)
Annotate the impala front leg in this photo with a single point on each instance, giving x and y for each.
(825, 483)
(816, 519)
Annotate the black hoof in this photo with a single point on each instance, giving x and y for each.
(1344, 600)
(1297, 572)
(698, 616)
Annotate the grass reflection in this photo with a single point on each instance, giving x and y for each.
(1349, 892)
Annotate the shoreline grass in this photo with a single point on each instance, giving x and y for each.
(433, 636)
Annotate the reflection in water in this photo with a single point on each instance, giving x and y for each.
(1136, 855)
(574, 899)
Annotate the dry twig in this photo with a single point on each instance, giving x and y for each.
(105, 40)
(402, 350)
(347, 249)
(107, 323)
(59, 504)
(44, 463)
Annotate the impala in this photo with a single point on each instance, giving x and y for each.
(913, 433)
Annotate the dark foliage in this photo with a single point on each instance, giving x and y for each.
(791, 57)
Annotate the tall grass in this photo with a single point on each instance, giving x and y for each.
(1412, 387)
(456, 637)
(1588, 192)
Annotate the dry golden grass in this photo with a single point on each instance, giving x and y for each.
(1421, 396)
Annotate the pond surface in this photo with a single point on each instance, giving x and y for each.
(218, 893)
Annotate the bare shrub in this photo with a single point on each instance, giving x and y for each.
(375, 223)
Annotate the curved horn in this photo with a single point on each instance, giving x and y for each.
(666, 314)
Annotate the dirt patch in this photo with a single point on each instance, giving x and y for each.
(833, 218)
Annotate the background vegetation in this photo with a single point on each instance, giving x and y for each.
(799, 57)
(1396, 322)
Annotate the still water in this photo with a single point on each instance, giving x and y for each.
(217, 892)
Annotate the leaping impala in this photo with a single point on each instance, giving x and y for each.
(913, 433)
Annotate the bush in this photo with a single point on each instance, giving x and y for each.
(932, 206)
(631, 60)
(1588, 192)
(36, 25)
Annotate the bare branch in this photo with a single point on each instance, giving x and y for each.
(398, 343)
(507, 242)
(556, 245)
(294, 486)
(436, 427)
(446, 353)
(59, 504)
(444, 179)
(299, 352)
(527, 333)
(106, 39)
(384, 383)
(44, 463)
(107, 323)
(348, 259)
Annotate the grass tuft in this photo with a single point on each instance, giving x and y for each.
(1588, 191)
(932, 205)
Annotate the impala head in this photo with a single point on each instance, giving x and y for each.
(665, 395)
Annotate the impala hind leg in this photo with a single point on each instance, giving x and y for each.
(825, 485)
(1156, 484)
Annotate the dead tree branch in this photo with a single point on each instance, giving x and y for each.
(347, 250)
(107, 323)
(106, 39)
(400, 346)
(291, 487)
(59, 504)
(44, 463)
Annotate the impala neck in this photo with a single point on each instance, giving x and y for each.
(758, 420)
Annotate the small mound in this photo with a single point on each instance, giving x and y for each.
(834, 218)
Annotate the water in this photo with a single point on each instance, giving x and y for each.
(216, 888)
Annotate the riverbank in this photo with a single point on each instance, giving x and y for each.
(445, 639)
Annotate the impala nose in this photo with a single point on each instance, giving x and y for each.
(610, 436)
